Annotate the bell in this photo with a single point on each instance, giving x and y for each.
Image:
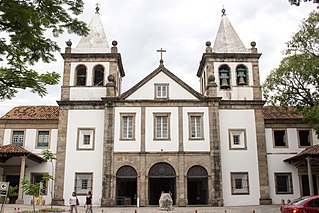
(224, 83)
(241, 80)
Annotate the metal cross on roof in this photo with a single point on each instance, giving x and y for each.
(97, 8)
(161, 51)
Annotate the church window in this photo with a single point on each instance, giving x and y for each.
(43, 139)
(83, 183)
(237, 139)
(241, 73)
(127, 126)
(195, 126)
(280, 138)
(283, 183)
(224, 76)
(81, 75)
(239, 183)
(161, 91)
(98, 75)
(304, 137)
(38, 178)
(161, 126)
(18, 137)
(85, 139)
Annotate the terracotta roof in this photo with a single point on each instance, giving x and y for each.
(274, 112)
(312, 151)
(12, 150)
(33, 113)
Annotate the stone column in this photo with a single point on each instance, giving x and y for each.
(22, 172)
(262, 158)
(311, 191)
(216, 193)
(60, 158)
(108, 199)
(256, 81)
(65, 88)
(181, 201)
(142, 188)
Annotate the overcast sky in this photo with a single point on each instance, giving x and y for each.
(181, 27)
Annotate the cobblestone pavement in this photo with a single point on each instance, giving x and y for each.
(13, 208)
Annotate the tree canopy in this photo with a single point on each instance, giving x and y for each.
(296, 81)
(297, 2)
(23, 24)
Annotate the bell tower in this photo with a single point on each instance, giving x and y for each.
(234, 67)
(88, 65)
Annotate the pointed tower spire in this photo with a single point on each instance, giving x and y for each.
(227, 40)
(95, 41)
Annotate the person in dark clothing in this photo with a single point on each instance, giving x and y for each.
(88, 202)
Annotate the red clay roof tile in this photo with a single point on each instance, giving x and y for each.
(33, 113)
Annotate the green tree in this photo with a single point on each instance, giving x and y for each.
(23, 24)
(49, 156)
(34, 188)
(296, 81)
(297, 2)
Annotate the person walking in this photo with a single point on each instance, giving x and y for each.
(74, 202)
(88, 202)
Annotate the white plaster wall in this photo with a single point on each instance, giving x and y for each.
(275, 165)
(239, 160)
(88, 92)
(235, 92)
(195, 145)
(45, 167)
(160, 145)
(275, 157)
(147, 91)
(128, 145)
(87, 161)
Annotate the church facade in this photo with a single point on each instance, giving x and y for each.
(219, 146)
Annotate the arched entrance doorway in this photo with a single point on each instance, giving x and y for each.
(126, 186)
(161, 177)
(197, 186)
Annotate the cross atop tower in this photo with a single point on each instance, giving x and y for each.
(161, 51)
(97, 8)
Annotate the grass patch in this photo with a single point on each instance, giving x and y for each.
(44, 210)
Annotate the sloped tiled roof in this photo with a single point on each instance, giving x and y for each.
(32, 113)
(277, 113)
(11, 150)
(312, 151)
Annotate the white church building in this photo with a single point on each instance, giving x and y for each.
(217, 146)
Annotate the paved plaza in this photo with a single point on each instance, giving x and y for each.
(13, 208)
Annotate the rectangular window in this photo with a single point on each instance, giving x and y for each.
(239, 183)
(237, 138)
(195, 126)
(304, 137)
(38, 178)
(85, 139)
(283, 183)
(161, 126)
(280, 138)
(127, 126)
(18, 138)
(43, 139)
(161, 91)
(83, 183)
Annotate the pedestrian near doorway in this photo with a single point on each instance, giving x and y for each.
(88, 202)
(74, 202)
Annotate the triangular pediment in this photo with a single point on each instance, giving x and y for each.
(177, 89)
